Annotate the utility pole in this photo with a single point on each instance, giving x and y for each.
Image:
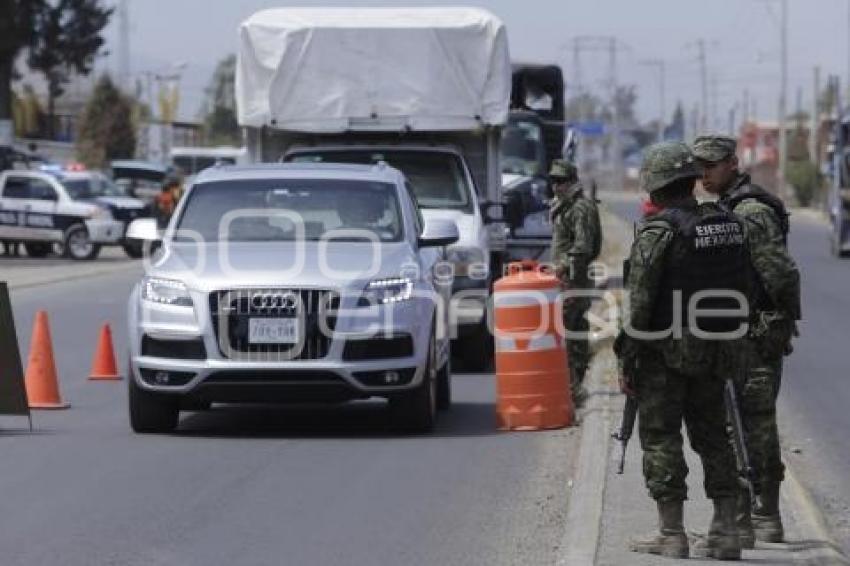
(746, 109)
(714, 96)
(582, 146)
(731, 125)
(124, 46)
(703, 70)
(605, 44)
(783, 94)
(662, 117)
(617, 153)
(814, 128)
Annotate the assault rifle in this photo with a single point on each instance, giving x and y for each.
(736, 437)
(627, 427)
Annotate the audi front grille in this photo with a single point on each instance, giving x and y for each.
(315, 311)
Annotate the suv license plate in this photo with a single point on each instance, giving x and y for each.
(273, 331)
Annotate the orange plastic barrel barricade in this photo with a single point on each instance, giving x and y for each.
(532, 373)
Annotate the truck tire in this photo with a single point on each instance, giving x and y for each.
(476, 349)
(152, 412)
(133, 248)
(38, 249)
(444, 386)
(77, 245)
(415, 411)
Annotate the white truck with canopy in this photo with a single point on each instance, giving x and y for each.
(424, 89)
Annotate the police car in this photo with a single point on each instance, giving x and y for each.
(76, 212)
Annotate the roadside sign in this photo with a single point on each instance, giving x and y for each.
(592, 129)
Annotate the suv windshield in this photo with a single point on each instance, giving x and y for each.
(93, 186)
(523, 151)
(436, 177)
(291, 209)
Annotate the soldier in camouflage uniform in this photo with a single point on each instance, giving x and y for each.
(675, 374)
(776, 308)
(576, 241)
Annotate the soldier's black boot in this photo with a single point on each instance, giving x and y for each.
(671, 540)
(722, 541)
(767, 521)
(745, 521)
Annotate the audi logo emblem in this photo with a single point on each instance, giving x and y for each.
(274, 300)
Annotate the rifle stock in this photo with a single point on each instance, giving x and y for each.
(737, 437)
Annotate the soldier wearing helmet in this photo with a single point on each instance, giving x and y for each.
(674, 360)
(776, 308)
(576, 241)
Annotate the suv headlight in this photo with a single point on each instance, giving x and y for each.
(166, 292)
(384, 291)
(468, 262)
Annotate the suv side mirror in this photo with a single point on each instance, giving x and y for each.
(438, 233)
(492, 212)
(144, 229)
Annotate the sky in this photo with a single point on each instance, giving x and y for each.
(742, 39)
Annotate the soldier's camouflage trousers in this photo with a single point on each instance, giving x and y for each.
(578, 347)
(666, 397)
(758, 389)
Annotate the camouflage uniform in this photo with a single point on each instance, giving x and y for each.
(677, 378)
(776, 308)
(576, 240)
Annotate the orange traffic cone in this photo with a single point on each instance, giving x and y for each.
(41, 382)
(103, 367)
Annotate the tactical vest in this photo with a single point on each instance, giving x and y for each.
(749, 191)
(707, 253)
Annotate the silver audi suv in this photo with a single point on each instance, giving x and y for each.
(292, 283)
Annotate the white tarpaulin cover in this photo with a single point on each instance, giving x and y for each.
(334, 70)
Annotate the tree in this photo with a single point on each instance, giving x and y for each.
(220, 122)
(17, 31)
(68, 39)
(106, 126)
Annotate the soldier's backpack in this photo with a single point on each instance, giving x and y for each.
(708, 253)
(749, 191)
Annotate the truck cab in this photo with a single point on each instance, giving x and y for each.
(444, 189)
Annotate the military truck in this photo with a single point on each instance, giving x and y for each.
(425, 90)
(532, 138)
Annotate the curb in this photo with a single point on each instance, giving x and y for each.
(801, 505)
(74, 277)
(584, 516)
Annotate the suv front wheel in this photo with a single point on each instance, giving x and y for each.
(152, 412)
(416, 410)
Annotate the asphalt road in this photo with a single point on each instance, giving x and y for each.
(814, 404)
(263, 486)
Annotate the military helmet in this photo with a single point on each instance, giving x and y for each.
(562, 169)
(714, 147)
(664, 163)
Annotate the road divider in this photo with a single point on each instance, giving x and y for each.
(532, 373)
(103, 366)
(41, 380)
